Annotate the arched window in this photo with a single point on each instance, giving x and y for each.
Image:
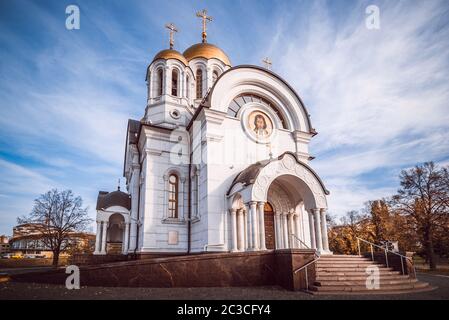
(159, 82)
(245, 98)
(174, 83)
(214, 76)
(195, 199)
(199, 84)
(173, 196)
(188, 87)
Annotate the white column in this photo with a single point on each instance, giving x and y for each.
(285, 229)
(324, 231)
(262, 243)
(319, 241)
(249, 231)
(253, 214)
(312, 230)
(181, 201)
(290, 228)
(241, 230)
(296, 218)
(133, 237)
(135, 179)
(125, 241)
(103, 237)
(245, 229)
(165, 205)
(278, 232)
(233, 230)
(97, 238)
(166, 80)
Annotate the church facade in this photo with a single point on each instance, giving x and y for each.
(219, 162)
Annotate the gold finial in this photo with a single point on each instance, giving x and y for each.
(173, 29)
(267, 63)
(203, 15)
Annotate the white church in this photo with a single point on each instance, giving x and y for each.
(219, 162)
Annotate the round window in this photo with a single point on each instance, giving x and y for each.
(175, 114)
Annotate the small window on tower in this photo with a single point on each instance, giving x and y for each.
(199, 84)
(174, 83)
(159, 82)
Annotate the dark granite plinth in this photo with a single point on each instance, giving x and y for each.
(201, 270)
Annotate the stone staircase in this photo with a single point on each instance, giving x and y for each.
(344, 274)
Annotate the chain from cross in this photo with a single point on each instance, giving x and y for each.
(203, 15)
(173, 29)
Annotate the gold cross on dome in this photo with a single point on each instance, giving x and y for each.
(203, 15)
(267, 63)
(173, 29)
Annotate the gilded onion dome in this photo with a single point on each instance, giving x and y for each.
(170, 54)
(207, 51)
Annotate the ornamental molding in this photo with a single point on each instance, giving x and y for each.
(288, 165)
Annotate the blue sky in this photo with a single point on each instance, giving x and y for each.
(378, 98)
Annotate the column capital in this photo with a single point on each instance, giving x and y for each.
(252, 203)
(316, 210)
(233, 211)
(261, 203)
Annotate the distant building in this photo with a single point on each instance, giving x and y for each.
(4, 244)
(27, 239)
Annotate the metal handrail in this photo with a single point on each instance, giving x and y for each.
(304, 267)
(386, 250)
(317, 257)
(300, 241)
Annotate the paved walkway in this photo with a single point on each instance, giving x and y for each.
(11, 290)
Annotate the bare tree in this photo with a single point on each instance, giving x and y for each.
(55, 216)
(424, 197)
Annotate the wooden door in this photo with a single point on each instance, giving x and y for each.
(269, 226)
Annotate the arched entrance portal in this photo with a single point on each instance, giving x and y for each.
(115, 234)
(297, 197)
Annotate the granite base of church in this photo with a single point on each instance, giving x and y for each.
(272, 267)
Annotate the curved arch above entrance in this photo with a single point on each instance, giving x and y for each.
(294, 175)
(297, 196)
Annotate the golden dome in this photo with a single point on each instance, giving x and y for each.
(207, 51)
(170, 54)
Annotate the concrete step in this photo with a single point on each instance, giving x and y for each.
(353, 273)
(334, 257)
(344, 256)
(348, 269)
(382, 282)
(363, 288)
(386, 276)
(373, 292)
(341, 261)
(347, 264)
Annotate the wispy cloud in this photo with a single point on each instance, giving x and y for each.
(379, 99)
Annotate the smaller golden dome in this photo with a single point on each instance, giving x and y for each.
(171, 54)
(207, 51)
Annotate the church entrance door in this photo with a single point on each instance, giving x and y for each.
(269, 226)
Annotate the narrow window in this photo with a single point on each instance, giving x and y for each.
(173, 196)
(199, 84)
(214, 76)
(174, 83)
(188, 87)
(159, 82)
